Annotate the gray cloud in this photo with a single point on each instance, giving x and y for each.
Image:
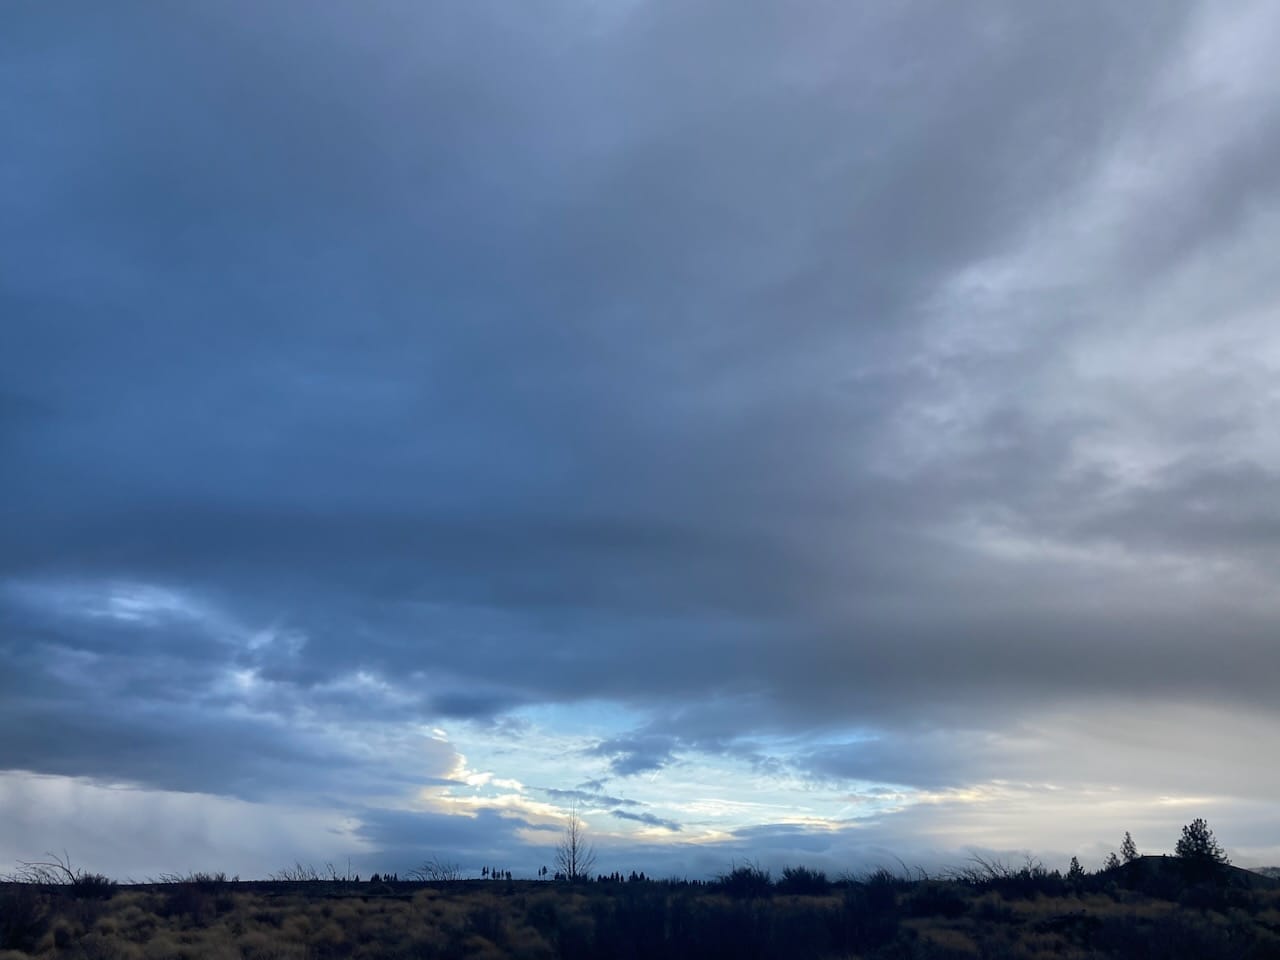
(636, 754)
(890, 371)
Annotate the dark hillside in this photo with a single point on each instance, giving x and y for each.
(1171, 873)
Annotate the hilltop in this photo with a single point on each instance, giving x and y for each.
(1162, 870)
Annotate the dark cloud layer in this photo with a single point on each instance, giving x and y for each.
(767, 373)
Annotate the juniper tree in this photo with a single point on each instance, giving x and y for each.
(1128, 849)
(1199, 846)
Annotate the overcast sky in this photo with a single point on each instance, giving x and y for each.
(812, 432)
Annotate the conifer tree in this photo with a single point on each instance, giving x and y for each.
(1198, 845)
(1128, 849)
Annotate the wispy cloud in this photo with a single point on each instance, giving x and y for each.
(648, 819)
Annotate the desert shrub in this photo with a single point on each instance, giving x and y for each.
(329, 942)
(438, 870)
(881, 888)
(933, 899)
(24, 916)
(298, 873)
(1030, 880)
(906, 944)
(1182, 935)
(98, 947)
(948, 943)
(803, 881)
(91, 886)
(199, 878)
(133, 918)
(746, 882)
(632, 924)
(803, 930)
(261, 945)
(187, 902)
(543, 916)
(487, 921)
(869, 917)
(268, 918)
(992, 909)
(57, 873)
(732, 930)
(1211, 895)
(527, 944)
(576, 938)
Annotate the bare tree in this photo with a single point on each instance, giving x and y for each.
(575, 855)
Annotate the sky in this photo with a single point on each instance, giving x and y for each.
(817, 433)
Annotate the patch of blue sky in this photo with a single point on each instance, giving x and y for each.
(709, 796)
(589, 718)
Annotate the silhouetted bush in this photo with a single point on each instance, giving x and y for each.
(298, 873)
(487, 921)
(870, 912)
(1030, 880)
(197, 899)
(58, 874)
(1184, 936)
(438, 870)
(24, 916)
(930, 898)
(543, 916)
(994, 910)
(633, 924)
(881, 888)
(804, 930)
(746, 881)
(803, 881)
(92, 886)
(1218, 895)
